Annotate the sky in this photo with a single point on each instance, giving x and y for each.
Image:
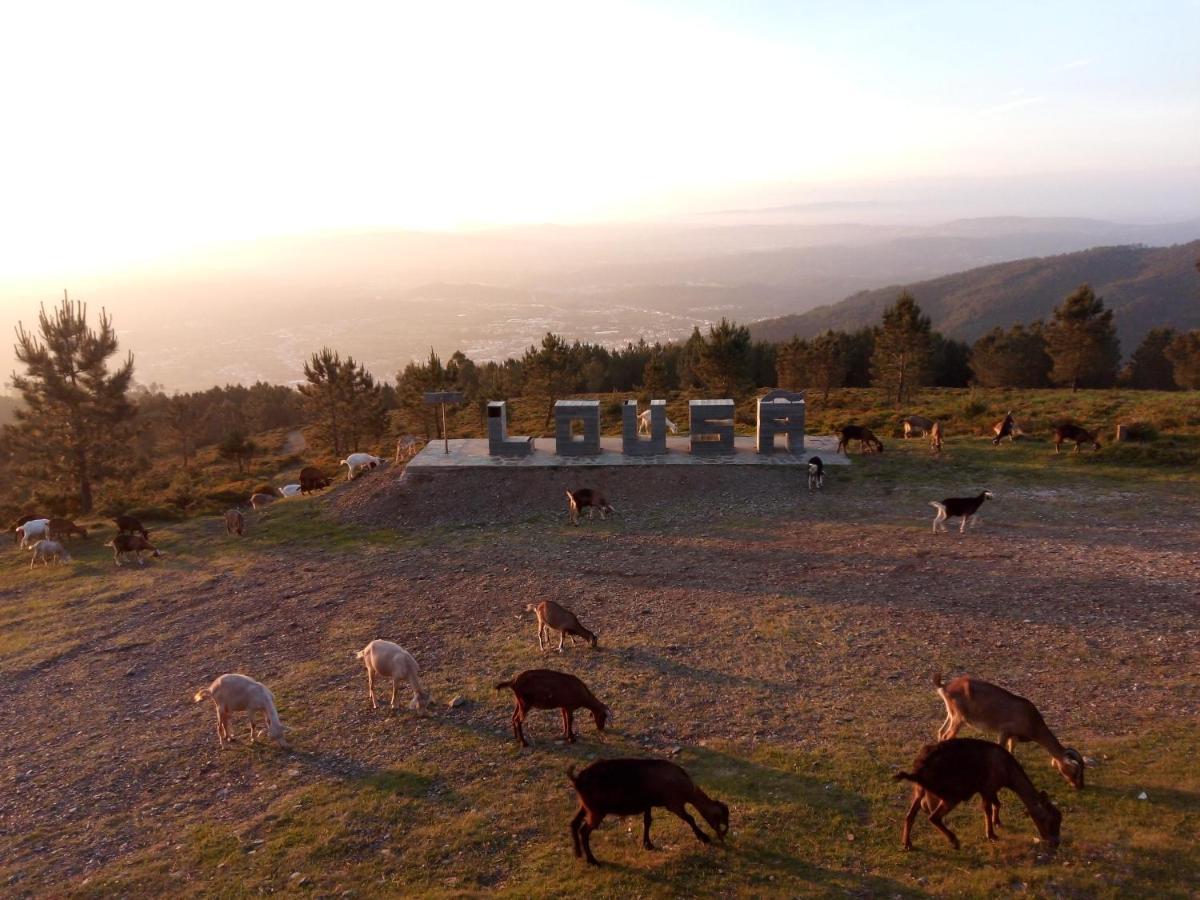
(134, 130)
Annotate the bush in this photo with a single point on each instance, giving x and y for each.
(1140, 432)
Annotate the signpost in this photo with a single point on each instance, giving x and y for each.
(441, 398)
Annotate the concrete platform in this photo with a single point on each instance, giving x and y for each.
(473, 453)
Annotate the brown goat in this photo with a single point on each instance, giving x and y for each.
(235, 522)
(1015, 719)
(626, 787)
(552, 615)
(589, 499)
(131, 525)
(312, 479)
(865, 437)
(64, 528)
(547, 689)
(947, 773)
(1006, 428)
(1066, 433)
(131, 543)
(935, 438)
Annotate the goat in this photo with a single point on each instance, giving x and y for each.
(1015, 719)
(552, 615)
(49, 550)
(947, 773)
(130, 524)
(235, 522)
(312, 479)
(64, 528)
(644, 423)
(967, 507)
(1006, 428)
(592, 500)
(356, 462)
(626, 787)
(547, 689)
(131, 543)
(392, 661)
(289, 490)
(32, 531)
(258, 501)
(864, 436)
(21, 521)
(935, 438)
(1068, 432)
(239, 693)
(916, 424)
(816, 473)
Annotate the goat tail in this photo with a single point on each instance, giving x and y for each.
(501, 685)
(940, 507)
(359, 654)
(201, 694)
(937, 681)
(529, 607)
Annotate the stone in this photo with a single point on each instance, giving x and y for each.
(711, 426)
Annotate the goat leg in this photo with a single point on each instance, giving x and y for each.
(681, 811)
(909, 818)
(646, 830)
(935, 819)
(575, 823)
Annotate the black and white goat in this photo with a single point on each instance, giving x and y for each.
(816, 474)
(966, 507)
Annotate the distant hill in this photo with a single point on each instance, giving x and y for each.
(1145, 286)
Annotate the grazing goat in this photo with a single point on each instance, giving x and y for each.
(49, 550)
(644, 423)
(626, 787)
(1015, 719)
(592, 500)
(547, 689)
(289, 490)
(239, 693)
(32, 531)
(131, 525)
(551, 615)
(918, 425)
(967, 507)
(865, 437)
(388, 660)
(259, 501)
(816, 473)
(131, 543)
(356, 462)
(1006, 428)
(947, 773)
(935, 438)
(21, 521)
(235, 522)
(1067, 432)
(65, 528)
(312, 479)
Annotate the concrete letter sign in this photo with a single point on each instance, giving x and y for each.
(656, 443)
(499, 443)
(567, 412)
(781, 412)
(711, 427)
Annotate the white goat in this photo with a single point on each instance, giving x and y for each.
(238, 693)
(357, 461)
(49, 550)
(289, 490)
(32, 532)
(388, 660)
(644, 423)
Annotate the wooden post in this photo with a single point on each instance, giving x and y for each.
(441, 398)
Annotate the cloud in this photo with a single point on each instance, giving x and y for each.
(1077, 64)
(1011, 105)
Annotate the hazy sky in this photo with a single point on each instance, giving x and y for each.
(133, 129)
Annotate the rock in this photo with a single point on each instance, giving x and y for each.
(1143, 796)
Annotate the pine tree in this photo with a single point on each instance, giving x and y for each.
(1013, 358)
(75, 409)
(724, 366)
(1184, 354)
(655, 383)
(345, 400)
(900, 361)
(1148, 368)
(828, 361)
(1082, 342)
(550, 371)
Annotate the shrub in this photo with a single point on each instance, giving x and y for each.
(1140, 432)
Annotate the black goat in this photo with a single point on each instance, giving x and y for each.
(951, 507)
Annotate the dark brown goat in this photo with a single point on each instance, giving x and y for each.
(947, 773)
(552, 615)
(131, 543)
(547, 689)
(131, 525)
(312, 479)
(626, 787)
(63, 528)
(589, 499)
(865, 437)
(1066, 433)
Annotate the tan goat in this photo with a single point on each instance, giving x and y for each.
(239, 693)
(388, 660)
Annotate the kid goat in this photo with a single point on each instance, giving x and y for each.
(552, 615)
(1015, 719)
(966, 507)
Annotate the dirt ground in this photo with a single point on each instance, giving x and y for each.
(738, 612)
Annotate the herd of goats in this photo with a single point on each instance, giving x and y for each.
(943, 775)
